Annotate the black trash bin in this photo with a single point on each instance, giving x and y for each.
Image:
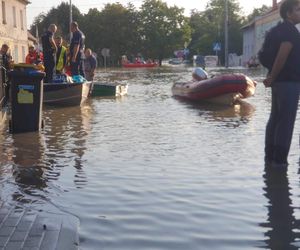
(26, 100)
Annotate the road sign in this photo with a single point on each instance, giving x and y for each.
(216, 46)
(105, 52)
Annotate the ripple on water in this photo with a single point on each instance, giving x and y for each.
(147, 171)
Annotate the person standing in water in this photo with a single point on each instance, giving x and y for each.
(284, 80)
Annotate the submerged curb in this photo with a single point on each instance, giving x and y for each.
(24, 228)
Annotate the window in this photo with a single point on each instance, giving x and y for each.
(16, 53)
(3, 13)
(14, 17)
(21, 20)
(23, 53)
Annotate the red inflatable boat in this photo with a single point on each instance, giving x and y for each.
(226, 88)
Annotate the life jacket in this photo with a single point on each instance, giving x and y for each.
(60, 63)
(34, 58)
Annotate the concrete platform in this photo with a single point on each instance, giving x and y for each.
(24, 228)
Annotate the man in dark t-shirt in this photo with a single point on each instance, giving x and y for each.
(49, 51)
(76, 50)
(284, 80)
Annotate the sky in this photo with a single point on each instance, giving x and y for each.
(37, 6)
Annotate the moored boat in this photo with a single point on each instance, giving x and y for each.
(108, 89)
(224, 89)
(62, 94)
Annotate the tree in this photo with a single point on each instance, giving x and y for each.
(119, 30)
(258, 12)
(57, 16)
(163, 30)
(208, 28)
(92, 27)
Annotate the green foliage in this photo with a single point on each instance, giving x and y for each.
(164, 29)
(257, 12)
(155, 31)
(57, 16)
(208, 27)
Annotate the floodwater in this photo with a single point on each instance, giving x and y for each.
(147, 171)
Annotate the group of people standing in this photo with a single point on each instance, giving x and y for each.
(57, 59)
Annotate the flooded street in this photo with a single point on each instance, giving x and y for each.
(147, 171)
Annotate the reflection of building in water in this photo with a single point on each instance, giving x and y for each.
(282, 228)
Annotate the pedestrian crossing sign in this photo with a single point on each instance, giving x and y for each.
(217, 46)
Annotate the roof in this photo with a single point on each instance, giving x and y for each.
(271, 11)
(25, 1)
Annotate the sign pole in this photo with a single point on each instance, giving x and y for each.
(71, 20)
(226, 33)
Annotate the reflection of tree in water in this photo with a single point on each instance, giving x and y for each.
(66, 130)
(281, 223)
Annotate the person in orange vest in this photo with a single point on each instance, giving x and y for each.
(61, 55)
(33, 56)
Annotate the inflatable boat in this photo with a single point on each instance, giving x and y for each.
(223, 89)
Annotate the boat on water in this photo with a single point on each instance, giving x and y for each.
(222, 89)
(108, 89)
(139, 65)
(65, 94)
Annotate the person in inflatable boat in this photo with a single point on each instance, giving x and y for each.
(199, 74)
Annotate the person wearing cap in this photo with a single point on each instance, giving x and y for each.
(76, 50)
(199, 74)
(49, 50)
(61, 55)
(33, 56)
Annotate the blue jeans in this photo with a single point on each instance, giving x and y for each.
(279, 131)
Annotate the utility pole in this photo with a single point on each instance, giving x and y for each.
(71, 19)
(226, 33)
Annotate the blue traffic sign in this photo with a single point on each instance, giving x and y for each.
(216, 46)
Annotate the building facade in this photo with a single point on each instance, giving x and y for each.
(13, 28)
(13, 32)
(254, 32)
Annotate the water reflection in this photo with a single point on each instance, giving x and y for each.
(230, 116)
(281, 222)
(38, 158)
(28, 151)
(66, 132)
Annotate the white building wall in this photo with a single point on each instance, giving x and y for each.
(248, 44)
(13, 28)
